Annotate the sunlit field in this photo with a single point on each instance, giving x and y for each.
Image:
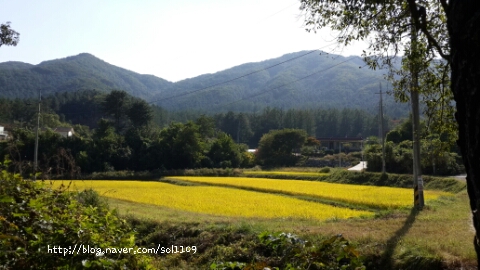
(294, 173)
(215, 200)
(371, 196)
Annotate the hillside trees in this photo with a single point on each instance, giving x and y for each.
(124, 111)
(140, 113)
(116, 106)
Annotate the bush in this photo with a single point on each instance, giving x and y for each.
(287, 251)
(394, 180)
(90, 197)
(36, 221)
(325, 170)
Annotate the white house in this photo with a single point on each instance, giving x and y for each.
(65, 132)
(3, 134)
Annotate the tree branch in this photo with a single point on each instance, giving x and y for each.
(420, 21)
(444, 5)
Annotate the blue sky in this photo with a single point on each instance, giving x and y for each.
(171, 39)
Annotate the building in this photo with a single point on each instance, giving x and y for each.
(65, 132)
(3, 134)
(341, 143)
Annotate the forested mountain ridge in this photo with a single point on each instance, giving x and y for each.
(311, 80)
(83, 71)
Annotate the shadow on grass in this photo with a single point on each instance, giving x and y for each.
(386, 259)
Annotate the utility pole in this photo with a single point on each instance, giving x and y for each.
(339, 154)
(382, 129)
(35, 164)
(418, 198)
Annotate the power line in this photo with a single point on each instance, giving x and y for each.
(266, 91)
(236, 78)
(261, 93)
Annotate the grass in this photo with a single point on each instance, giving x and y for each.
(441, 232)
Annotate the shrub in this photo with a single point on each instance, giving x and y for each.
(36, 221)
(90, 197)
(287, 251)
(325, 170)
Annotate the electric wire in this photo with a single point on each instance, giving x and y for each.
(302, 78)
(231, 80)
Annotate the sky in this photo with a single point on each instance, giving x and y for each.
(171, 39)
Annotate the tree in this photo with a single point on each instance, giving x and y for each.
(450, 30)
(116, 106)
(8, 36)
(206, 126)
(463, 27)
(277, 146)
(224, 152)
(140, 113)
(180, 146)
(108, 151)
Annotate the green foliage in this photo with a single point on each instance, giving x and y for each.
(129, 144)
(224, 152)
(291, 252)
(325, 170)
(8, 36)
(398, 158)
(277, 147)
(37, 221)
(90, 197)
(116, 104)
(180, 146)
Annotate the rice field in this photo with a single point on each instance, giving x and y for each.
(215, 200)
(294, 173)
(371, 196)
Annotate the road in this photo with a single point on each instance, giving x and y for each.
(359, 167)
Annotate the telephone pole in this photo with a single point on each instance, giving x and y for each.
(418, 198)
(35, 162)
(382, 129)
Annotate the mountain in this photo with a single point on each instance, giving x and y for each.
(296, 80)
(83, 71)
(311, 80)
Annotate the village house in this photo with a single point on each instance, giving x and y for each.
(3, 134)
(341, 143)
(65, 132)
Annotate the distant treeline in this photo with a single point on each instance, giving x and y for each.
(85, 107)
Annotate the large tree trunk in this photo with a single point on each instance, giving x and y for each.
(464, 29)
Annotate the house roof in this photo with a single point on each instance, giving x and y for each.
(63, 129)
(340, 139)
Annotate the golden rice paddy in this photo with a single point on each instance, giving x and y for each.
(372, 196)
(215, 200)
(285, 173)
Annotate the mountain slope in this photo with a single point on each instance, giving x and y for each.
(84, 71)
(310, 80)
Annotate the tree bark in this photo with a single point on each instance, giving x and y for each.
(464, 30)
